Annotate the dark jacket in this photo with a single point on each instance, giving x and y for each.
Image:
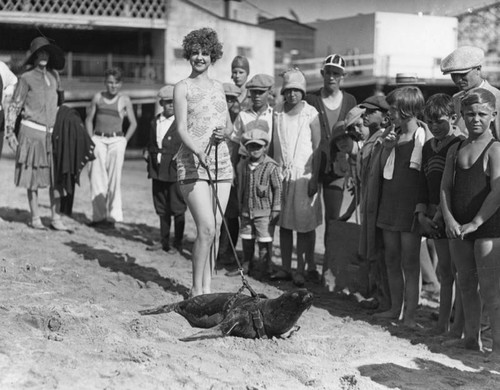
(166, 170)
(314, 99)
(72, 148)
(259, 191)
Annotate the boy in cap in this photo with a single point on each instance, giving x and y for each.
(259, 195)
(164, 142)
(260, 115)
(225, 254)
(259, 88)
(232, 93)
(464, 66)
(240, 69)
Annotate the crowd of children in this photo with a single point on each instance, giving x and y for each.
(416, 168)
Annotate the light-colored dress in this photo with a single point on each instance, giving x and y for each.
(206, 110)
(293, 150)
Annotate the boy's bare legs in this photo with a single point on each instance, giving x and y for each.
(410, 259)
(447, 280)
(487, 253)
(286, 248)
(196, 195)
(462, 252)
(392, 244)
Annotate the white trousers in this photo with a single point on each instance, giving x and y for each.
(105, 178)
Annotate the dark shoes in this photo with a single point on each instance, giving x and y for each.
(160, 247)
(101, 224)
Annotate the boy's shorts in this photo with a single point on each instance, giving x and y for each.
(258, 228)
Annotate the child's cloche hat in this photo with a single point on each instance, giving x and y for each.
(462, 60)
(260, 82)
(166, 93)
(256, 136)
(294, 78)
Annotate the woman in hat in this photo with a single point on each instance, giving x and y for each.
(36, 100)
(204, 167)
(297, 136)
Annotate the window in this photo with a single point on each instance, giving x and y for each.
(244, 51)
(278, 44)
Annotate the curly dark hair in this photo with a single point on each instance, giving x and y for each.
(204, 39)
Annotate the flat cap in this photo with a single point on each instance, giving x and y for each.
(166, 92)
(462, 60)
(260, 81)
(353, 115)
(231, 89)
(376, 102)
(256, 136)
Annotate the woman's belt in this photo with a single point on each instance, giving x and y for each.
(36, 126)
(109, 135)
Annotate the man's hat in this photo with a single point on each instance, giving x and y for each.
(462, 60)
(261, 82)
(256, 136)
(231, 89)
(334, 60)
(376, 102)
(56, 55)
(166, 92)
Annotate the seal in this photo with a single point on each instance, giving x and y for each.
(227, 314)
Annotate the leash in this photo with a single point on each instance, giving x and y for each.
(244, 281)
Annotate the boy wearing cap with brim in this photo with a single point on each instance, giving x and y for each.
(225, 254)
(164, 143)
(333, 104)
(259, 88)
(232, 93)
(464, 66)
(259, 194)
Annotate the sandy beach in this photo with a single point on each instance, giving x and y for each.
(69, 316)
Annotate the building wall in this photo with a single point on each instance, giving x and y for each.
(292, 37)
(414, 43)
(342, 35)
(401, 43)
(183, 18)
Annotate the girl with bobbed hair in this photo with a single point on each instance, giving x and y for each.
(203, 161)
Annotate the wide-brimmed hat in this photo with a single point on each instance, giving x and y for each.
(405, 79)
(462, 60)
(166, 92)
(294, 79)
(56, 55)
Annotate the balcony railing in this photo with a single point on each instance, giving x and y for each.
(91, 67)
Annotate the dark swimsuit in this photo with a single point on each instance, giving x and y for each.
(471, 186)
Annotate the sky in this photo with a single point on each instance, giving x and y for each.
(311, 10)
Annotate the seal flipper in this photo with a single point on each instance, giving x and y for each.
(159, 310)
(211, 333)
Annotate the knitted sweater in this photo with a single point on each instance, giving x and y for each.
(259, 190)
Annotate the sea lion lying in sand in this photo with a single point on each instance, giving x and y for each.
(227, 314)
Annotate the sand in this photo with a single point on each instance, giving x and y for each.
(69, 316)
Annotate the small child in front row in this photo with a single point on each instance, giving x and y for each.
(259, 196)
(164, 142)
(439, 115)
(470, 200)
(401, 158)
